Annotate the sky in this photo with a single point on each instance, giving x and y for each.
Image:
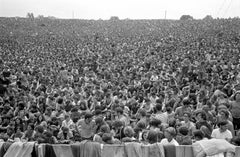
(132, 9)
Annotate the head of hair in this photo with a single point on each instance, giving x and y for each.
(183, 130)
(226, 113)
(171, 131)
(155, 122)
(152, 136)
(206, 132)
(88, 115)
(31, 125)
(39, 128)
(142, 112)
(99, 120)
(141, 125)
(119, 110)
(105, 129)
(158, 107)
(185, 101)
(187, 113)
(107, 138)
(222, 123)
(198, 134)
(128, 131)
(159, 101)
(117, 124)
(172, 122)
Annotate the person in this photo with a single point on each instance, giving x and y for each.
(184, 108)
(108, 138)
(235, 110)
(224, 116)
(118, 129)
(98, 136)
(129, 134)
(108, 75)
(201, 120)
(29, 133)
(65, 135)
(68, 123)
(121, 117)
(38, 132)
(144, 137)
(236, 140)
(142, 115)
(169, 134)
(155, 124)
(198, 135)
(187, 123)
(222, 132)
(163, 117)
(152, 137)
(86, 127)
(183, 137)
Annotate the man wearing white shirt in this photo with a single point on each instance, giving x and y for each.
(169, 134)
(222, 132)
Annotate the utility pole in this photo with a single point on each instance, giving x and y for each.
(165, 15)
(73, 14)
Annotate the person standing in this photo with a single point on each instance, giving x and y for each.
(235, 110)
(222, 132)
(86, 127)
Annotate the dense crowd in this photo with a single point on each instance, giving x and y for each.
(148, 81)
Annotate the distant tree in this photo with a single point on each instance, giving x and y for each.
(186, 17)
(30, 16)
(40, 16)
(114, 18)
(51, 17)
(208, 17)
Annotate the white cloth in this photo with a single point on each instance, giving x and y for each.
(221, 135)
(166, 142)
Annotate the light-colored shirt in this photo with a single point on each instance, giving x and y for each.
(221, 135)
(166, 142)
(86, 130)
(163, 117)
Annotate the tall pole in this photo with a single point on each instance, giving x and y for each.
(73, 14)
(165, 14)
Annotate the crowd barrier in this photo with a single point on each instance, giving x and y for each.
(92, 149)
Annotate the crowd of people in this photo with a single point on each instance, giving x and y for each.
(148, 81)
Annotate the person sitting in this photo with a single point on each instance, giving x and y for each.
(169, 134)
(65, 134)
(183, 137)
(129, 133)
(108, 138)
(152, 136)
(98, 136)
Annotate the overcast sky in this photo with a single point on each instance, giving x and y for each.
(133, 9)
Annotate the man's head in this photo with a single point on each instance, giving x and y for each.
(186, 102)
(88, 117)
(223, 126)
(186, 116)
(170, 132)
(119, 111)
(152, 136)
